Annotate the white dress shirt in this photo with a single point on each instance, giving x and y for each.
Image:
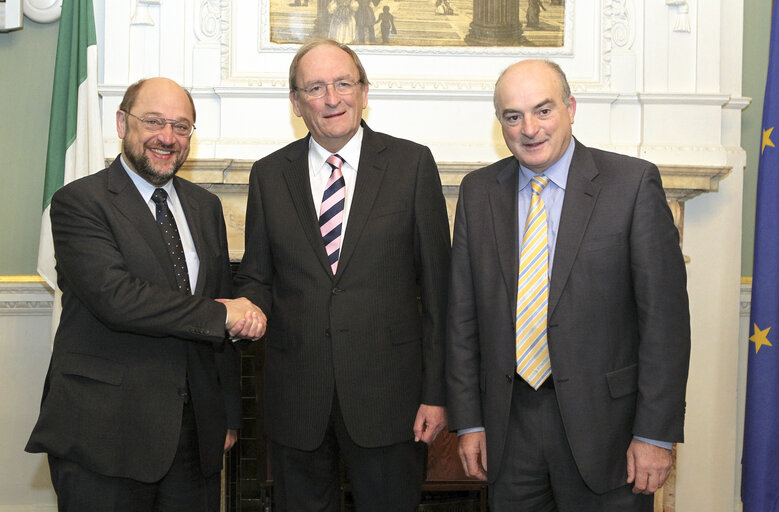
(319, 172)
(146, 190)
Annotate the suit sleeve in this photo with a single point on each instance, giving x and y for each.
(91, 265)
(255, 276)
(432, 247)
(226, 354)
(660, 291)
(462, 353)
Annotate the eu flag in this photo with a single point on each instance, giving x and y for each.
(760, 462)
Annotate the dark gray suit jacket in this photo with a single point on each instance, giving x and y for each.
(363, 332)
(127, 341)
(619, 335)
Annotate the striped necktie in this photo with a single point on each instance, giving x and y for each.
(533, 293)
(331, 213)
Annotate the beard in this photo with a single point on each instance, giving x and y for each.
(140, 163)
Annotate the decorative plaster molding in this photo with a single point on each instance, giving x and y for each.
(745, 305)
(25, 299)
(619, 23)
(737, 103)
(208, 22)
(682, 23)
(650, 98)
(142, 14)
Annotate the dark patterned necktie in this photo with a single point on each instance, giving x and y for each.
(170, 233)
(331, 213)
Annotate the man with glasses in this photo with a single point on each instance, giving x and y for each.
(142, 396)
(347, 252)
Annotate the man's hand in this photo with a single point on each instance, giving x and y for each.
(244, 319)
(431, 419)
(473, 454)
(648, 466)
(230, 439)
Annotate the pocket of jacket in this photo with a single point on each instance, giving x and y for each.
(405, 332)
(624, 381)
(92, 367)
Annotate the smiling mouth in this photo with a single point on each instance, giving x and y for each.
(533, 145)
(161, 152)
(330, 116)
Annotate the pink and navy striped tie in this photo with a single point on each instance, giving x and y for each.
(331, 213)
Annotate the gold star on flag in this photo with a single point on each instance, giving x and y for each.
(760, 338)
(767, 139)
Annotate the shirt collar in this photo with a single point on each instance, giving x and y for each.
(144, 187)
(557, 172)
(350, 153)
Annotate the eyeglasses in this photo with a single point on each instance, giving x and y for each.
(319, 89)
(182, 128)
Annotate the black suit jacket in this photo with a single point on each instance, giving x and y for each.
(364, 331)
(128, 343)
(618, 318)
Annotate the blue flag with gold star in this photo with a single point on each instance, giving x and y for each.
(760, 461)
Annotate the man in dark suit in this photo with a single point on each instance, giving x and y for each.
(355, 342)
(142, 395)
(568, 332)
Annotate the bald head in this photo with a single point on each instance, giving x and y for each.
(156, 85)
(536, 65)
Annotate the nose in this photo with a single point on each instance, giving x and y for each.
(331, 96)
(166, 135)
(529, 126)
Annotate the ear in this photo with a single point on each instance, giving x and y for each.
(365, 88)
(121, 123)
(572, 108)
(294, 100)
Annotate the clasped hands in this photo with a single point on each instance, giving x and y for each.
(244, 319)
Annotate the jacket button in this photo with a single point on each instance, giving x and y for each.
(336, 291)
(509, 377)
(327, 332)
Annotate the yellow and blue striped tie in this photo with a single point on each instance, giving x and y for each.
(533, 293)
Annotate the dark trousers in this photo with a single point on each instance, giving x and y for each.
(182, 489)
(538, 471)
(383, 479)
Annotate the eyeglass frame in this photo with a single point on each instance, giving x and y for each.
(325, 84)
(165, 122)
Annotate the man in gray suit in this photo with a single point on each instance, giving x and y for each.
(347, 252)
(142, 397)
(568, 332)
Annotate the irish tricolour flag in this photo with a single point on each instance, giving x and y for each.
(75, 137)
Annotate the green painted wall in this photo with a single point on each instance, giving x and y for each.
(27, 70)
(757, 29)
(26, 75)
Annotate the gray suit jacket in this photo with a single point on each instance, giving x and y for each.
(619, 335)
(374, 331)
(128, 343)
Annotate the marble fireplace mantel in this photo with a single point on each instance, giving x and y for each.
(229, 179)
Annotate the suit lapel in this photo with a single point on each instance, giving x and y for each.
(580, 197)
(370, 173)
(299, 183)
(503, 203)
(129, 203)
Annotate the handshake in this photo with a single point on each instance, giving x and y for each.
(244, 319)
